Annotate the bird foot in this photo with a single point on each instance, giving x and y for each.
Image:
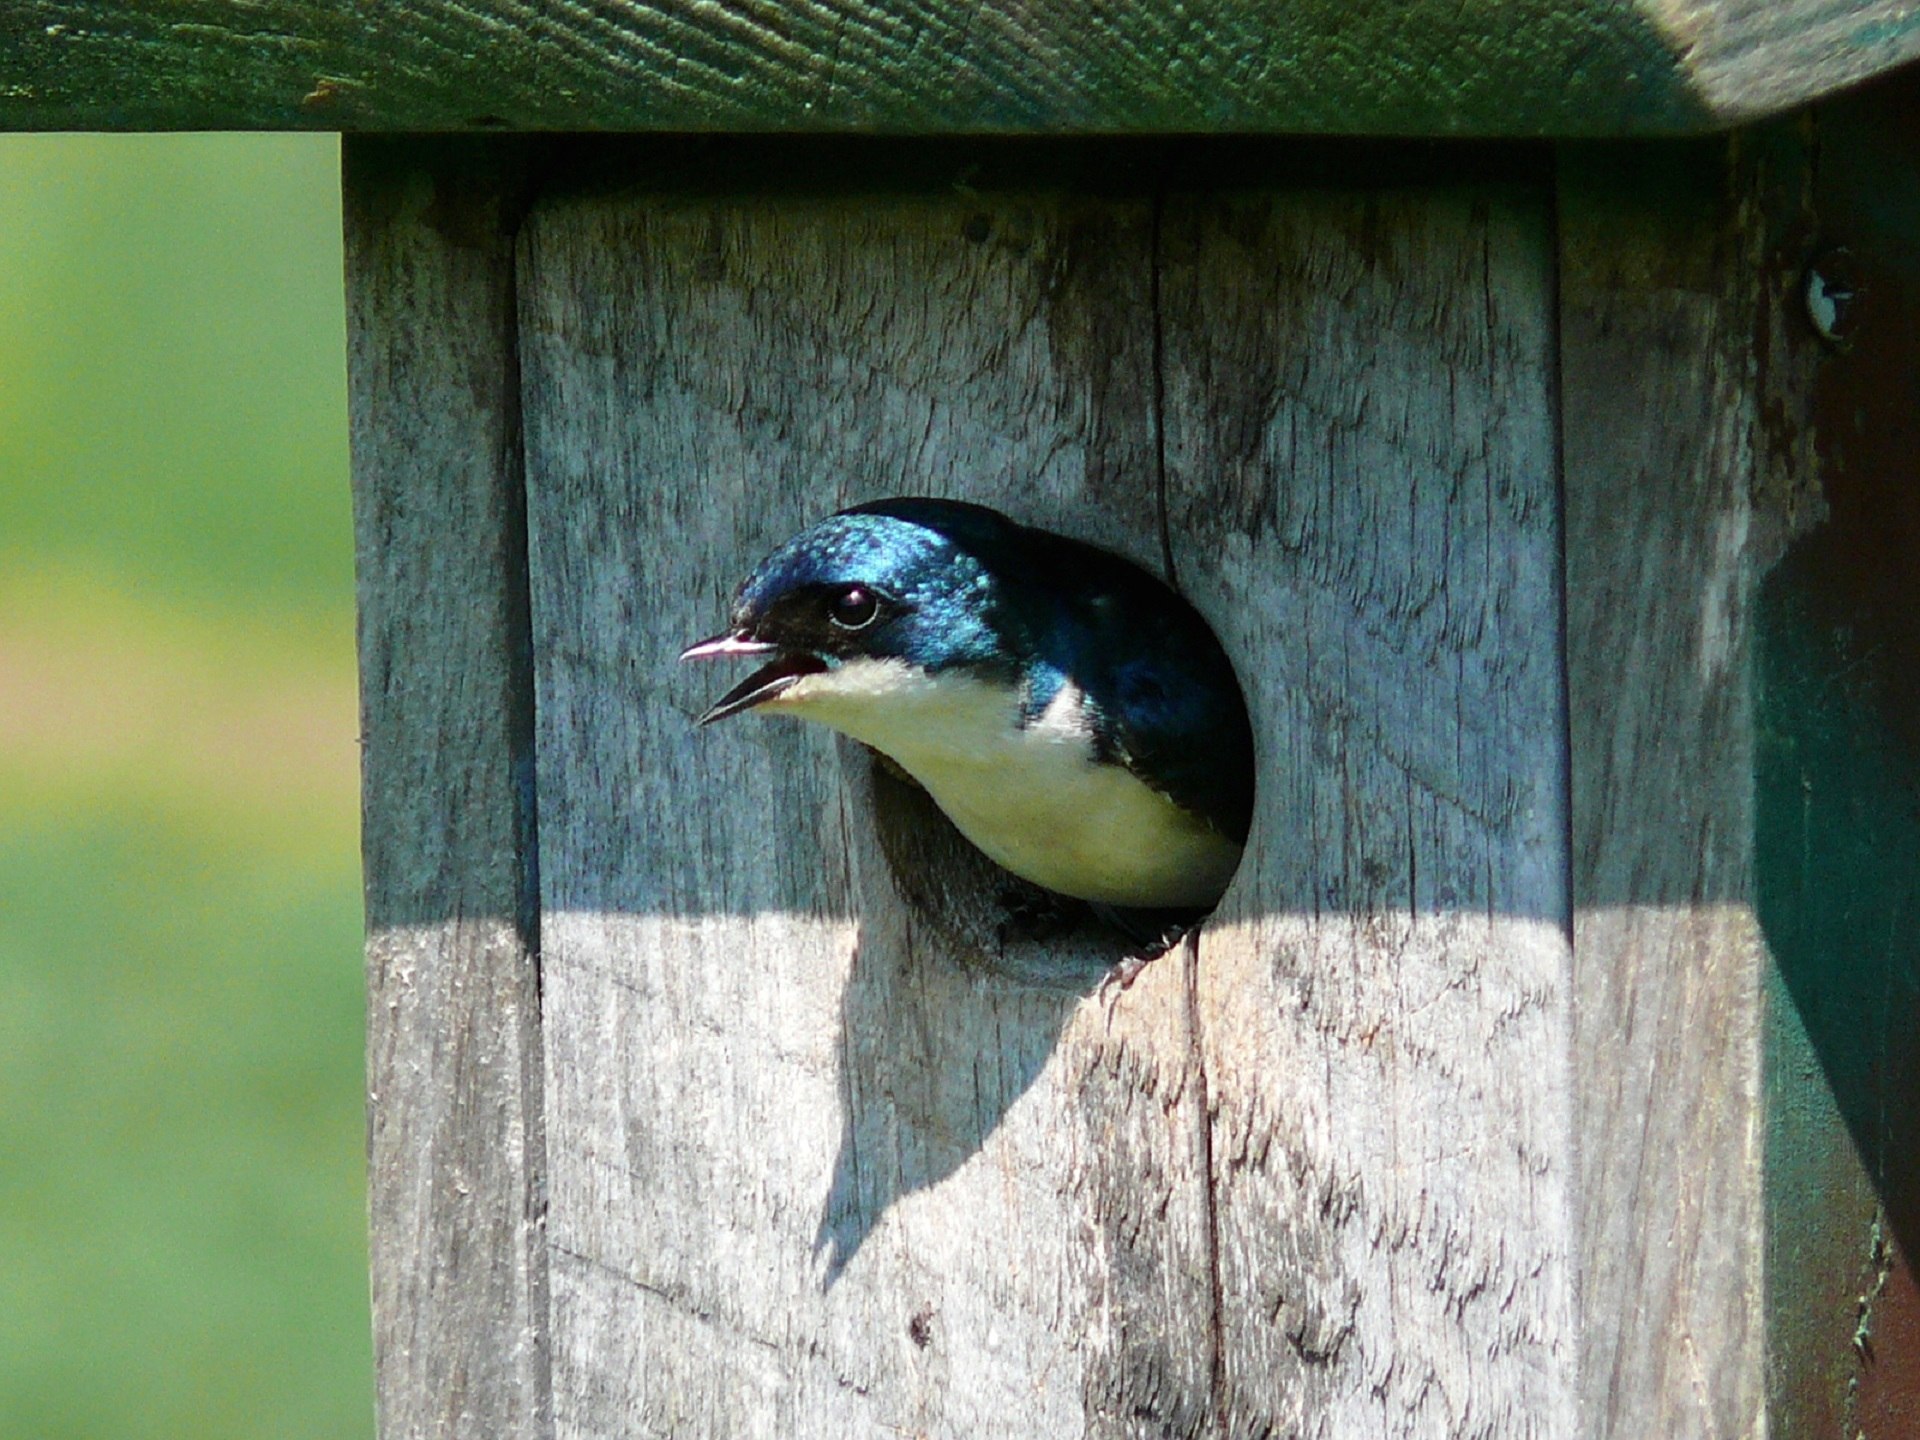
(1120, 978)
(1153, 932)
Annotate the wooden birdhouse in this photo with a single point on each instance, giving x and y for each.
(1527, 397)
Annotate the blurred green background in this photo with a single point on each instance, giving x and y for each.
(182, 1247)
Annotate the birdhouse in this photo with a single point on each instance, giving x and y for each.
(1525, 396)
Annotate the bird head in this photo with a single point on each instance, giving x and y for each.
(860, 598)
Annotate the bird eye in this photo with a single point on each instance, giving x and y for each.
(854, 608)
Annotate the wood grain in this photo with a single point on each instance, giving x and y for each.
(1491, 67)
(1362, 491)
(455, 1126)
(1664, 551)
(816, 1171)
(818, 1165)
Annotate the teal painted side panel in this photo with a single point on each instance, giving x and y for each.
(1838, 798)
(1839, 859)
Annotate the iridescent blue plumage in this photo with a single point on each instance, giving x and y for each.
(899, 621)
(946, 590)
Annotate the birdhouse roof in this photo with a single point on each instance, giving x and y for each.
(1058, 67)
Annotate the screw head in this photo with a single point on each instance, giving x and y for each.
(1833, 293)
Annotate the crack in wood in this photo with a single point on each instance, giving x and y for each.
(1209, 1200)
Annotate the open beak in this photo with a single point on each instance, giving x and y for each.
(763, 684)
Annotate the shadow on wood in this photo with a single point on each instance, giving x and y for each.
(939, 1035)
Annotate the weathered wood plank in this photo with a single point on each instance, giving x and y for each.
(818, 1170)
(1491, 67)
(814, 1173)
(1361, 477)
(1664, 550)
(455, 1139)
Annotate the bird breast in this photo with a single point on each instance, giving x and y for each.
(1033, 797)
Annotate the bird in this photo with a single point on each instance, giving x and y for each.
(1070, 712)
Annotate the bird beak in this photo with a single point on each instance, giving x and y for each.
(763, 684)
(732, 643)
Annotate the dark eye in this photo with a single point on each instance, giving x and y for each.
(854, 608)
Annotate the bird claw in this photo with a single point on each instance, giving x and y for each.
(1129, 968)
(1120, 979)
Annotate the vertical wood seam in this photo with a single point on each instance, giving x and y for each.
(519, 618)
(1562, 636)
(1569, 829)
(523, 756)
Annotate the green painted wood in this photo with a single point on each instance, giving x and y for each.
(1837, 818)
(1419, 67)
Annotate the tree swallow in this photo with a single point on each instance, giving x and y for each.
(1070, 713)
